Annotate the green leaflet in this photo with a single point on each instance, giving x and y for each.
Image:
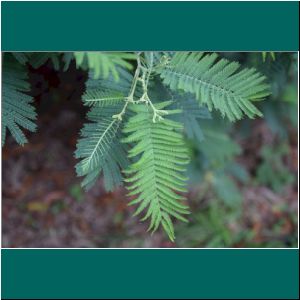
(217, 83)
(104, 63)
(37, 59)
(21, 57)
(102, 98)
(265, 54)
(156, 175)
(17, 110)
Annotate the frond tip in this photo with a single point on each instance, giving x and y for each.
(100, 150)
(156, 176)
(217, 83)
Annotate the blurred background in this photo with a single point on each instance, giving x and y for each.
(244, 193)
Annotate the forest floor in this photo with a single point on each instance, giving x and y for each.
(43, 204)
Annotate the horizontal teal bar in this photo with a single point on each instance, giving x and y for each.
(218, 26)
(185, 274)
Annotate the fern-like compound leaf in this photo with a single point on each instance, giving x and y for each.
(17, 109)
(191, 116)
(104, 63)
(99, 148)
(218, 147)
(217, 83)
(155, 177)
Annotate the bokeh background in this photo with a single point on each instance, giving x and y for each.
(243, 193)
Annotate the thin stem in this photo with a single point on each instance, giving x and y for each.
(157, 114)
(135, 78)
(150, 68)
(129, 98)
(144, 78)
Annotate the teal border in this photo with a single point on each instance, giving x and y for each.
(150, 274)
(92, 274)
(211, 26)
